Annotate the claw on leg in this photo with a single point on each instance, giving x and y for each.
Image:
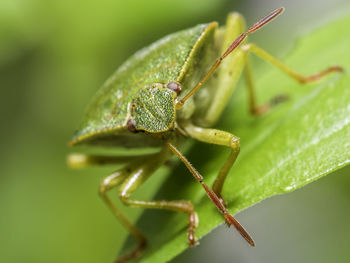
(192, 224)
(261, 110)
(132, 255)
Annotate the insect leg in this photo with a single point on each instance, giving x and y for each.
(258, 110)
(77, 160)
(253, 108)
(217, 137)
(107, 184)
(228, 74)
(81, 160)
(138, 174)
(219, 203)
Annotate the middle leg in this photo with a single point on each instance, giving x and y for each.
(138, 173)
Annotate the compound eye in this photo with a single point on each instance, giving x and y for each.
(131, 126)
(174, 86)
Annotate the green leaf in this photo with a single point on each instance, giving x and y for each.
(296, 143)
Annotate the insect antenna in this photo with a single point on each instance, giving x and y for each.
(232, 47)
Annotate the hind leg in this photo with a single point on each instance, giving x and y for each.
(303, 79)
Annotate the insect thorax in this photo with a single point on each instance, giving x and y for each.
(153, 108)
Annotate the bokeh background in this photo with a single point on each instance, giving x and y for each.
(54, 55)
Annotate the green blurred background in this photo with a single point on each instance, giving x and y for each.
(53, 57)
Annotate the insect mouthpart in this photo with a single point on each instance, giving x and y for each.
(174, 86)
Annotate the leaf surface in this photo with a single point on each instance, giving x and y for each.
(295, 144)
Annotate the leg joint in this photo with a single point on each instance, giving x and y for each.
(235, 143)
(103, 187)
(123, 196)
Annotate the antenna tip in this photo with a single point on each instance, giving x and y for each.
(280, 10)
(230, 220)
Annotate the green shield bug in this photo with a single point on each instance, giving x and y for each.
(156, 99)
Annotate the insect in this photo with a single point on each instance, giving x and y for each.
(165, 94)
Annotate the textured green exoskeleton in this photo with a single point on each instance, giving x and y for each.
(155, 99)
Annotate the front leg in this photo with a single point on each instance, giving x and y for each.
(218, 137)
(228, 73)
(219, 203)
